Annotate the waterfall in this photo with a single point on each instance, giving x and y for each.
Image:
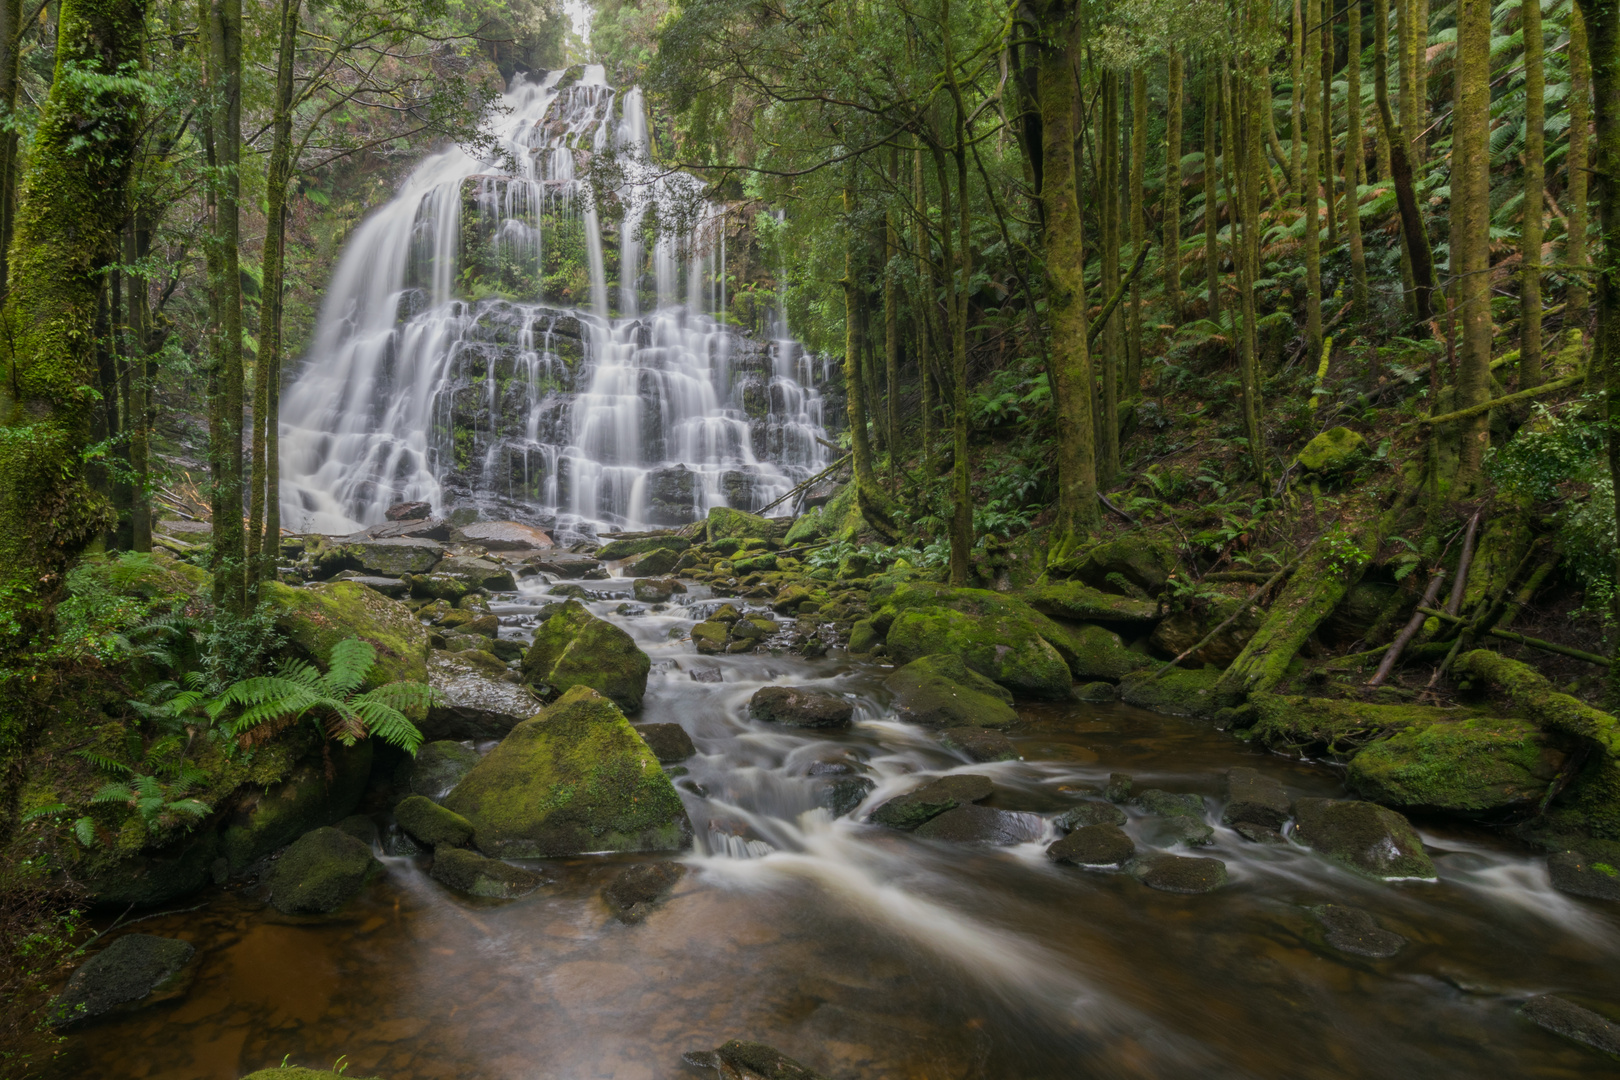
(542, 336)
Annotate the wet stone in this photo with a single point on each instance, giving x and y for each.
(1353, 931)
(1576, 874)
(359, 826)
(706, 675)
(386, 585)
(1103, 844)
(980, 744)
(432, 824)
(1254, 799)
(1570, 1020)
(1097, 692)
(1090, 812)
(738, 1060)
(1179, 873)
(1119, 787)
(1181, 829)
(843, 794)
(981, 825)
(133, 969)
(669, 742)
(477, 875)
(932, 799)
(796, 707)
(633, 893)
(1170, 804)
(1259, 834)
(1369, 839)
(322, 870)
(439, 766)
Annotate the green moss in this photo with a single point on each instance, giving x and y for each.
(863, 637)
(1081, 603)
(577, 778)
(614, 550)
(1093, 652)
(575, 648)
(710, 637)
(1331, 452)
(1461, 766)
(942, 691)
(1178, 692)
(1309, 725)
(725, 522)
(431, 823)
(317, 617)
(994, 634)
(275, 815)
(1141, 560)
(320, 872)
(1366, 838)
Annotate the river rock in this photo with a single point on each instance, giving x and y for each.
(651, 564)
(323, 788)
(566, 565)
(439, 766)
(617, 549)
(1179, 873)
(1119, 787)
(1093, 652)
(397, 557)
(932, 799)
(1097, 692)
(1175, 691)
(711, 636)
(432, 824)
(842, 794)
(1259, 834)
(1353, 931)
(1103, 844)
(469, 872)
(475, 701)
(323, 870)
(1177, 829)
(979, 743)
(505, 536)
(1170, 804)
(656, 590)
(1580, 874)
(392, 587)
(942, 691)
(669, 742)
(981, 825)
(738, 1060)
(359, 826)
(431, 528)
(437, 587)
(1365, 837)
(1252, 798)
(725, 523)
(576, 778)
(1090, 812)
(575, 648)
(1079, 602)
(479, 573)
(132, 972)
(633, 893)
(995, 634)
(1570, 1020)
(796, 707)
(1472, 766)
(408, 511)
(317, 617)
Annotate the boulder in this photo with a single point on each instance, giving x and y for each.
(418, 529)
(993, 634)
(134, 971)
(1331, 452)
(614, 550)
(1369, 839)
(1136, 560)
(437, 587)
(317, 617)
(724, 523)
(1170, 804)
(576, 778)
(432, 824)
(439, 766)
(863, 637)
(361, 827)
(1177, 692)
(397, 557)
(1471, 766)
(980, 744)
(477, 875)
(1570, 1020)
(391, 587)
(1252, 798)
(323, 870)
(1581, 874)
(981, 825)
(738, 1060)
(1181, 630)
(1093, 652)
(656, 590)
(1179, 873)
(1259, 834)
(505, 536)
(1163, 831)
(669, 743)
(575, 648)
(1079, 602)
(932, 799)
(1103, 844)
(710, 637)
(408, 511)
(633, 893)
(655, 563)
(315, 792)
(795, 707)
(1090, 812)
(478, 573)
(1097, 692)
(1119, 787)
(843, 794)
(475, 700)
(1351, 930)
(566, 565)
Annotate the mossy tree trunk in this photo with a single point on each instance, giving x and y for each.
(1296, 115)
(925, 290)
(891, 328)
(1212, 257)
(1470, 229)
(1417, 261)
(11, 31)
(1108, 218)
(1577, 162)
(854, 383)
(1309, 186)
(1136, 191)
(958, 261)
(1254, 94)
(1326, 141)
(1354, 155)
(69, 216)
(1531, 212)
(1172, 189)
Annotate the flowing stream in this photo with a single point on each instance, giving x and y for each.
(870, 953)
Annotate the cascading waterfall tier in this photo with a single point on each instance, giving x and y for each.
(543, 337)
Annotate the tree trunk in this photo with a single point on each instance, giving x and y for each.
(1172, 190)
(1254, 94)
(225, 70)
(854, 383)
(958, 261)
(1535, 163)
(137, 242)
(66, 231)
(1354, 155)
(1417, 261)
(925, 287)
(1112, 340)
(11, 31)
(1309, 187)
(1212, 258)
(1578, 161)
(1137, 191)
(1328, 172)
(1470, 227)
(1296, 138)
(891, 330)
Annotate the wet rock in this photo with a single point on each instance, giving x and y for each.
(981, 825)
(359, 826)
(570, 592)
(1177, 691)
(476, 700)
(942, 691)
(1179, 873)
(1579, 874)
(1119, 787)
(421, 529)
(711, 637)
(1472, 766)
(669, 742)
(1367, 838)
(408, 511)
(323, 870)
(1102, 844)
(1253, 798)
(932, 799)
(575, 648)
(437, 587)
(1082, 603)
(706, 675)
(1189, 831)
(563, 564)
(1353, 931)
(843, 794)
(796, 707)
(505, 536)
(656, 563)
(1093, 652)
(576, 778)
(614, 550)
(725, 523)
(979, 743)
(1090, 812)
(1181, 630)
(132, 972)
(479, 573)
(633, 893)
(316, 792)
(737, 1060)
(1097, 691)
(994, 634)
(469, 872)
(656, 590)
(393, 587)
(1135, 561)
(432, 824)
(317, 617)
(1259, 834)
(1570, 1020)
(1331, 452)
(397, 557)
(1170, 804)
(863, 637)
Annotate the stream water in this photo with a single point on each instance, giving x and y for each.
(866, 952)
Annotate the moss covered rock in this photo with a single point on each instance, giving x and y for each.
(669, 742)
(477, 699)
(1080, 602)
(1093, 652)
(942, 691)
(576, 778)
(323, 870)
(1369, 839)
(1332, 452)
(932, 799)
(431, 823)
(477, 875)
(994, 634)
(1178, 692)
(1179, 873)
(575, 648)
(134, 971)
(1103, 844)
(317, 617)
(1181, 630)
(651, 564)
(614, 550)
(633, 893)
(711, 636)
(1297, 724)
(1134, 562)
(796, 707)
(396, 558)
(1474, 766)
(439, 766)
(980, 744)
(724, 523)
(264, 819)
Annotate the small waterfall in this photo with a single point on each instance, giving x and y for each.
(543, 336)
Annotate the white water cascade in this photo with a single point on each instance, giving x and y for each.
(544, 337)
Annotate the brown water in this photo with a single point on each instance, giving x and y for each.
(869, 953)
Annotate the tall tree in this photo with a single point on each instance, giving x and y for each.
(1355, 153)
(1212, 256)
(1577, 162)
(1471, 227)
(1108, 216)
(1309, 187)
(1136, 188)
(1172, 188)
(1535, 163)
(11, 38)
(1417, 261)
(1326, 141)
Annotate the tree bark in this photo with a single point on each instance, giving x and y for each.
(1535, 155)
(1136, 190)
(1212, 258)
(1470, 227)
(1416, 259)
(1327, 123)
(1296, 138)
(1578, 160)
(891, 330)
(1113, 340)
(1254, 95)
(1354, 154)
(11, 31)
(925, 286)
(854, 345)
(1172, 190)
(1308, 185)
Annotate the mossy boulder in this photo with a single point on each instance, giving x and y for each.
(724, 523)
(317, 617)
(933, 799)
(323, 870)
(1181, 630)
(710, 637)
(432, 824)
(576, 778)
(575, 648)
(1094, 652)
(146, 878)
(1178, 692)
(476, 699)
(264, 819)
(1369, 839)
(633, 893)
(1295, 724)
(1474, 766)
(669, 742)
(792, 706)
(1332, 452)
(1079, 602)
(134, 971)
(994, 634)
(439, 766)
(614, 550)
(478, 573)
(658, 562)
(478, 875)
(942, 691)
(1103, 844)
(396, 558)
(1179, 873)
(863, 637)
(1130, 563)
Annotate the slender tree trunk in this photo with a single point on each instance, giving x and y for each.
(925, 286)
(1470, 227)
(1172, 190)
(1420, 82)
(1308, 182)
(1296, 138)
(959, 268)
(67, 228)
(1578, 161)
(891, 328)
(137, 248)
(1108, 182)
(1328, 171)
(1137, 191)
(1212, 257)
(854, 345)
(11, 31)
(1417, 260)
(1274, 144)
(1251, 96)
(1535, 164)
(1406, 110)
(1355, 153)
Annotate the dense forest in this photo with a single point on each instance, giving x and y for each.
(1248, 362)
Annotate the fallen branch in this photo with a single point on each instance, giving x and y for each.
(1496, 403)
(801, 487)
(1104, 500)
(1229, 620)
(1392, 655)
(1113, 301)
(1534, 643)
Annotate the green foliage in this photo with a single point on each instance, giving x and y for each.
(1548, 451)
(1587, 531)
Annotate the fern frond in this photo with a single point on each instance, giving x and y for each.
(191, 807)
(350, 662)
(120, 793)
(389, 724)
(401, 695)
(85, 830)
(44, 811)
(103, 762)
